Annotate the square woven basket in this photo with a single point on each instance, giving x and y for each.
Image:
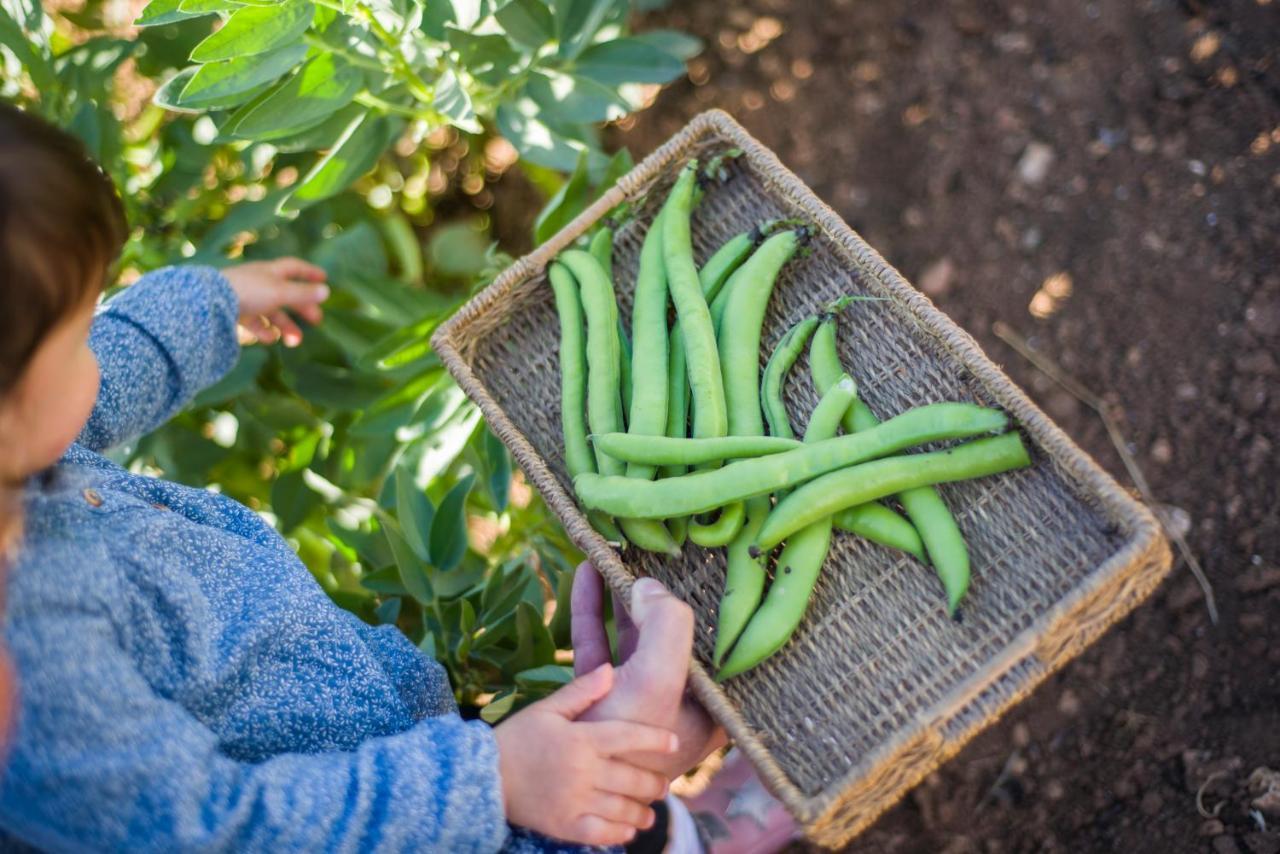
(878, 686)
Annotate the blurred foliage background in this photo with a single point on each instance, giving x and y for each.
(367, 136)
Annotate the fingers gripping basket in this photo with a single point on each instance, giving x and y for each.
(878, 686)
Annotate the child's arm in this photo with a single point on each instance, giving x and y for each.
(106, 761)
(173, 333)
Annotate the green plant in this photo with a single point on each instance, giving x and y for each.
(349, 133)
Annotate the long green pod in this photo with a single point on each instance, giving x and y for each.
(739, 325)
(648, 412)
(943, 541)
(880, 524)
(801, 559)
(703, 491)
(604, 402)
(706, 386)
(578, 457)
(775, 376)
(744, 578)
(666, 451)
(601, 248)
(856, 484)
(711, 277)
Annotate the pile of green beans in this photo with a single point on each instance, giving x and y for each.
(674, 419)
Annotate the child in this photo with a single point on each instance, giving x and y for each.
(184, 682)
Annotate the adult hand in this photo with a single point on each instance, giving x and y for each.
(266, 288)
(654, 643)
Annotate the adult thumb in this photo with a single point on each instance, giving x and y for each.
(665, 637)
(582, 693)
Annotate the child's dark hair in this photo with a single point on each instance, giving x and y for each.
(61, 227)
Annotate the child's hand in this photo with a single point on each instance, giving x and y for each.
(560, 777)
(267, 288)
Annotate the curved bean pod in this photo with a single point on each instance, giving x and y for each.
(604, 403)
(858, 484)
(723, 530)
(648, 412)
(705, 383)
(937, 528)
(775, 376)
(703, 491)
(665, 451)
(880, 524)
(744, 578)
(765, 630)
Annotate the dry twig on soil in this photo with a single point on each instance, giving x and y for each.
(1107, 412)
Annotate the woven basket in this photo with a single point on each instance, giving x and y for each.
(878, 686)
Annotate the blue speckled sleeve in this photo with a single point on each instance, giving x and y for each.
(158, 343)
(114, 766)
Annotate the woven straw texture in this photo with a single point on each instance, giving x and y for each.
(878, 686)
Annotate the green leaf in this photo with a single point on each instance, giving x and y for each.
(292, 500)
(457, 250)
(415, 513)
(498, 708)
(217, 81)
(537, 142)
(499, 470)
(443, 445)
(238, 380)
(562, 619)
(207, 7)
(324, 85)
(577, 22)
(452, 101)
(388, 611)
(32, 57)
(569, 201)
(574, 99)
(534, 644)
(161, 12)
(529, 22)
(468, 13)
(332, 387)
(680, 45)
(545, 679)
(27, 13)
(449, 528)
(396, 342)
(319, 137)
(619, 164)
(385, 580)
(413, 574)
(354, 154)
(489, 58)
(256, 29)
(167, 95)
(628, 60)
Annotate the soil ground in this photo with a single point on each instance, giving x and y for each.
(1103, 177)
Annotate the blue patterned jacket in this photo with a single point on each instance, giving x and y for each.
(185, 684)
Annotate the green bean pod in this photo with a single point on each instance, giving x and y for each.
(665, 451)
(943, 541)
(722, 530)
(769, 626)
(625, 372)
(703, 491)
(801, 559)
(705, 383)
(775, 376)
(711, 278)
(601, 247)
(880, 524)
(604, 402)
(856, 484)
(648, 413)
(738, 315)
(578, 457)
(744, 578)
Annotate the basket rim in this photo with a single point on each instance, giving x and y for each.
(1144, 548)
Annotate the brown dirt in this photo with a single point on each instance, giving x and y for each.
(986, 148)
